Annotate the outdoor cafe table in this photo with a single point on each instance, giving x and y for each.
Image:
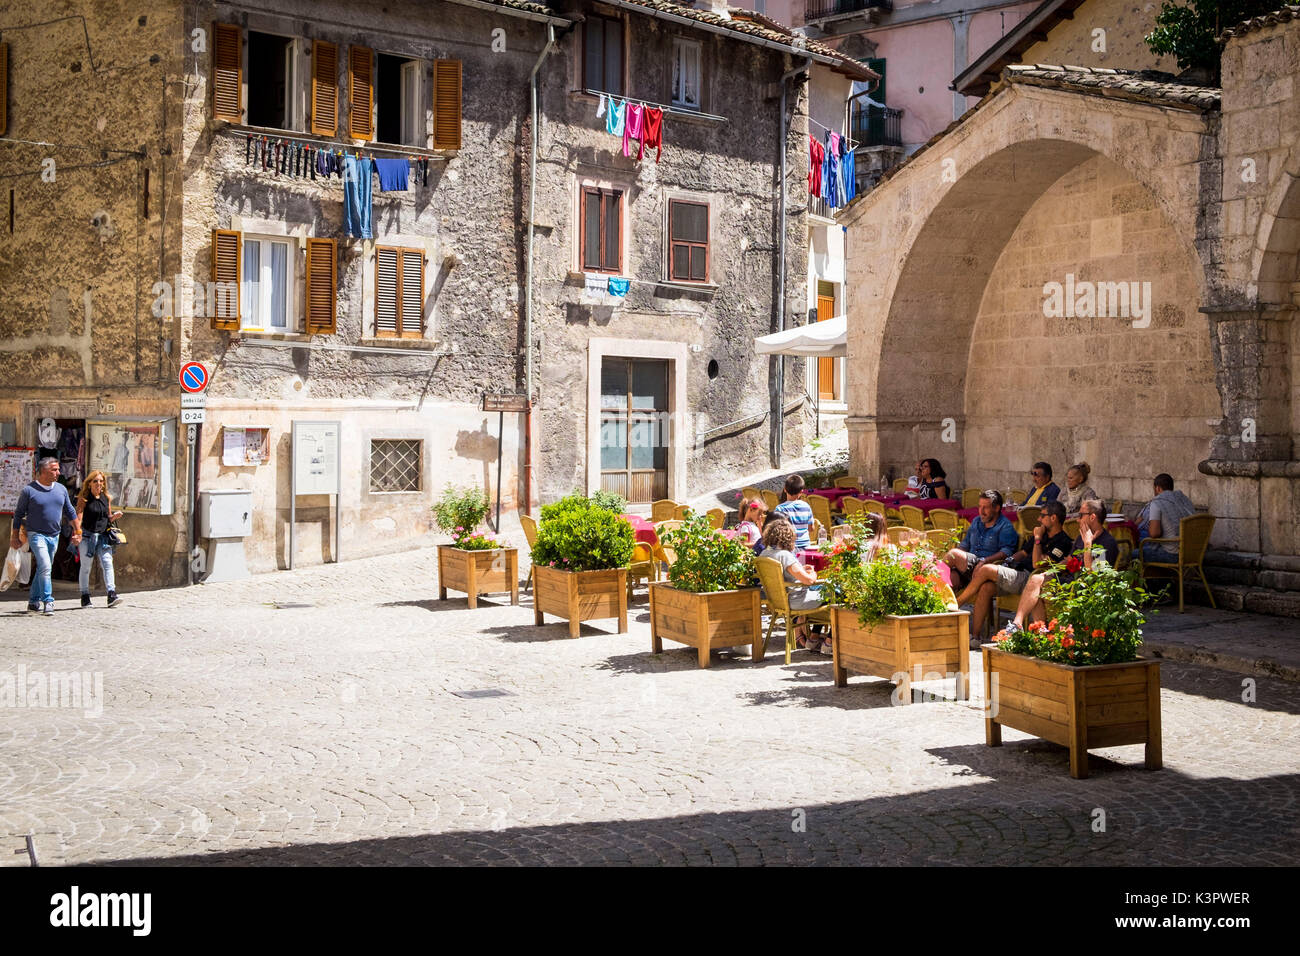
(645, 530)
(833, 495)
(925, 504)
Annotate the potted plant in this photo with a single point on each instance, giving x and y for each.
(476, 562)
(894, 616)
(710, 599)
(1077, 679)
(580, 562)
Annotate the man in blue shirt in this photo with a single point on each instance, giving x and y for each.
(42, 508)
(797, 511)
(990, 539)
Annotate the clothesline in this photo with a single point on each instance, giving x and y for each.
(675, 110)
(302, 159)
(853, 144)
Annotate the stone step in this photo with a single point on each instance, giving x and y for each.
(1236, 597)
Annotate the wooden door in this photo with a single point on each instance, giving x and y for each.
(634, 428)
(826, 366)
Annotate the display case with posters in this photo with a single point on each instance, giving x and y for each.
(139, 457)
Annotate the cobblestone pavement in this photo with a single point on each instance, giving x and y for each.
(235, 730)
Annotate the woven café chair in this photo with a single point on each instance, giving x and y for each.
(1019, 497)
(683, 512)
(529, 524)
(821, 508)
(1117, 506)
(670, 525)
(771, 576)
(749, 493)
(1193, 538)
(943, 518)
(940, 538)
(852, 505)
(665, 509)
(1026, 521)
(770, 499)
(898, 533)
(847, 482)
(1071, 527)
(1127, 545)
(717, 518)
(970, 497)
(913, 517)
(642, 565)
(878, 508)
(900, 485)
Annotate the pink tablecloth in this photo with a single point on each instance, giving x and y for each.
(925, 504)
(834, 495)
(815, 558)
(645, 530)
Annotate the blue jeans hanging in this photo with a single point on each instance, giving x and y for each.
(357, 192)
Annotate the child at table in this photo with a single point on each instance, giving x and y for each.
(796, 510)
(779, 538)
(752, 512)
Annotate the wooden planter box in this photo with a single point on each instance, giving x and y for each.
(1106, 705)
(580, 596)
(900, 648)
(478, 572)
(706, 621)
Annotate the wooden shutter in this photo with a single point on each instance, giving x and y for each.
(322, 281)
(227, 73)
(4, 88)
(361, 92)
(324, 88)
(387, 264)
(446, 104)
(412, 289)
(226, 255)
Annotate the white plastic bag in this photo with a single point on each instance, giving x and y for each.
(13, 565)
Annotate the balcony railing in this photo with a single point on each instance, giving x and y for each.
(821, 9)
(877, 126)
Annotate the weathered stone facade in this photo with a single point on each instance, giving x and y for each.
(1111, 179)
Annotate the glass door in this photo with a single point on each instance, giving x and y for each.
(634, 428)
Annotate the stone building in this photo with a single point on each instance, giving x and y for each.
(1170, 212)
(188, 137)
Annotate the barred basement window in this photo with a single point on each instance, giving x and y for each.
(395, 464)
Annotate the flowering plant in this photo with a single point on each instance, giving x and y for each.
(707, 561)
(1098, 619)
(881, 581)
(480, 541)
(459, 512)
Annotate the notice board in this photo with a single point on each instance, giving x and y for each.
(316, 458)
(15, 475)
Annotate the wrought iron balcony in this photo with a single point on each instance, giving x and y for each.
(822, 12)
(877, 126)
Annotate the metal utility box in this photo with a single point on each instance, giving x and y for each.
(226, 513)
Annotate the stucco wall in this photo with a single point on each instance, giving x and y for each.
(1120, 46)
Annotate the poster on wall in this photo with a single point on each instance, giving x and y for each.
(244, 446)
(16, 473)
(136, 456)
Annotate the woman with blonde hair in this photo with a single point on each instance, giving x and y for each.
(95, 512)
(1077, 489)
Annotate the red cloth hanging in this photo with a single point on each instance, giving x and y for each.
(816, 155)
(653, 132)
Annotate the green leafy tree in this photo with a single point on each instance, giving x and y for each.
(1188, 31)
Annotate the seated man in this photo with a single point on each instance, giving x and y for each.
(1044, 489)
(990, 539)
(1160, 519)
(796, 510)
(1051, 545)
(1092, 534)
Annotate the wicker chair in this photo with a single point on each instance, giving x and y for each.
(665, 509)
(529, 524)
(940, 538)
(750, 492)
(671, 525)
(847, 482)
(897, 533)
(852, 505)
(900, 485)
(683, 512)
(1127, 542)
(717, 518)
(770, 499)
(771, 576)
(1071, 527)
(912, 516)
(642, 565)
(1193, 538)
(1117, 506)
(970, 497)
(943, 518)
(821, 508)
(1026, 521)
(1019, 497)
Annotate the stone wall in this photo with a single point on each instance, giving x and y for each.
(1119, 46)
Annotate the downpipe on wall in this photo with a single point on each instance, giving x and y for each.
(778, 402)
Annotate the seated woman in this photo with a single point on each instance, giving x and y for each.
(934, 480)
(779, 539)
(1044, 489)
(752, 511)
(1077, 490)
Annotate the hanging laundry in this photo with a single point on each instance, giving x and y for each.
(594, 288)
(357, 196)
(618, 286)
(600, 108)
(849, 166)
(393, 174)
(248, 145)
(653, 134)
(633, 127)
(815, 157)
(615, 117)
(833, 184)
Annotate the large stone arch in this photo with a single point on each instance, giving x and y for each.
(927, 241)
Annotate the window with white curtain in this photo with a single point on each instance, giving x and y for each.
(686, 74)
(267, 294)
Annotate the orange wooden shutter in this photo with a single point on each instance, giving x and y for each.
(412, 293)
(226, 269)
(4, 88)
(324, 88)
(386, 301)
(361, 92)
(446, 104)
(227, 73)
(322, 281)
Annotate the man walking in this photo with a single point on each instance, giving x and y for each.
(42, 508)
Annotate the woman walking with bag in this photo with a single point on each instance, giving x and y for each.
(95, 512)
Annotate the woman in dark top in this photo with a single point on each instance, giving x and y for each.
(95, 512)
(934, 480)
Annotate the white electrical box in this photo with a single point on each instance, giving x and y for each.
(226, 513)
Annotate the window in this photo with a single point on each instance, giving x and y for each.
(272, 81)
(395, 464)
(688, 241)
(399, 292)
(400, 101)
(602, 56)
(602, 229)
(266, 298)
(686, 74)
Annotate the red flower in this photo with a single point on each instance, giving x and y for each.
(1073, 564)
(1067, 642)
(1098, 633)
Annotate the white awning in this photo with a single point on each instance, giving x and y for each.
(828, 339)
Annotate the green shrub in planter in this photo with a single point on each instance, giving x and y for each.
(459, 512)
(576, 534)
(610, 501)
(707, 561)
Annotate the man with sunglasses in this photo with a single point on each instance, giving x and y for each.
(1044, 489)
